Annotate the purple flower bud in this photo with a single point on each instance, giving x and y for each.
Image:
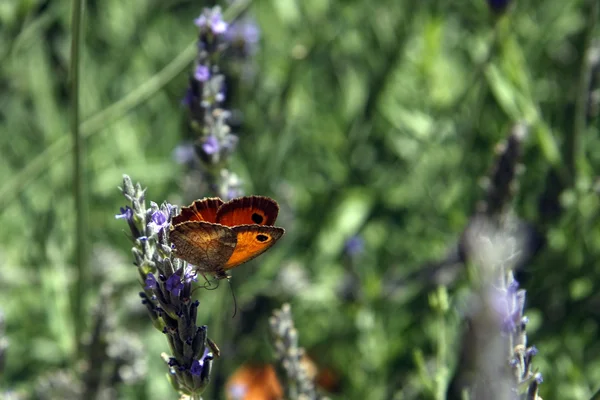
(202, 73)
(174, 285)
(211, 145)
(200, 22)
(151, 281)
(532, 351)
(190, 274)
(126, 213)
(197, 365)
(217, 24)
(214, 21)
(158, 221)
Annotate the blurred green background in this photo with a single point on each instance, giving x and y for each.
(361, 118)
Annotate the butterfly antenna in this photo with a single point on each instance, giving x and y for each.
(209, 285)
(234, 299)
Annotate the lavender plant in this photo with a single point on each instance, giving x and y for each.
(166, 292)
(495, 360)
(204, 99)
(166, 281)
(298, 385)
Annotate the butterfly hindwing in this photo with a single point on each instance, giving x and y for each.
(200, 210)
(207, 246)
(249, 210)
(252, 241)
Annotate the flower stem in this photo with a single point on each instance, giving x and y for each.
(78, 176)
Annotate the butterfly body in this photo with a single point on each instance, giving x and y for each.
(216, 236)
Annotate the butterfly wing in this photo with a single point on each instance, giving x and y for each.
(249, 210)
(254, 382)
(207, 246)
(252, 241)
(199, 210)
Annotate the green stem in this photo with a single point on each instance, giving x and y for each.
(55, 152)
(78, 175)
(576, 148)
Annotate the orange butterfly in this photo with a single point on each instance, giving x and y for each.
(260, 382)
(215, 236)
(254, 382)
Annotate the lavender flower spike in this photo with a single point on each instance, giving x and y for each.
(166, 292)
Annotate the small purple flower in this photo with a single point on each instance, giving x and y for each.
(354, 246)
(151, 281)
(249, 31)
(126, 212)
(196, 368)
(159, 221)
(245, 34)
(217, 24)
(174, 285)
(197, 365)
(200, 22)
(532, 351)
(222, 95)
(202, 73)
(190, 274)
(211, 145)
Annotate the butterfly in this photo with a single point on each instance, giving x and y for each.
(260, 382)
(216, 236)
(254, 382)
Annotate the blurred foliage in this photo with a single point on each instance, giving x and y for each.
(375, 119)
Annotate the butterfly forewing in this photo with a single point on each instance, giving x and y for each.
(207, 246)
(249, 210)
(252, 241)
(200, 210)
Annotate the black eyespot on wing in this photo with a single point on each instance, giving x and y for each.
(257, 218)
(262, 238)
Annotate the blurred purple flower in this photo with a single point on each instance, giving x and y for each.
(354, 246)
(244, 30)
(214, 21)
(184, 153)
(201, 21)
(211, 145)
(217, 24)
(202, 73)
